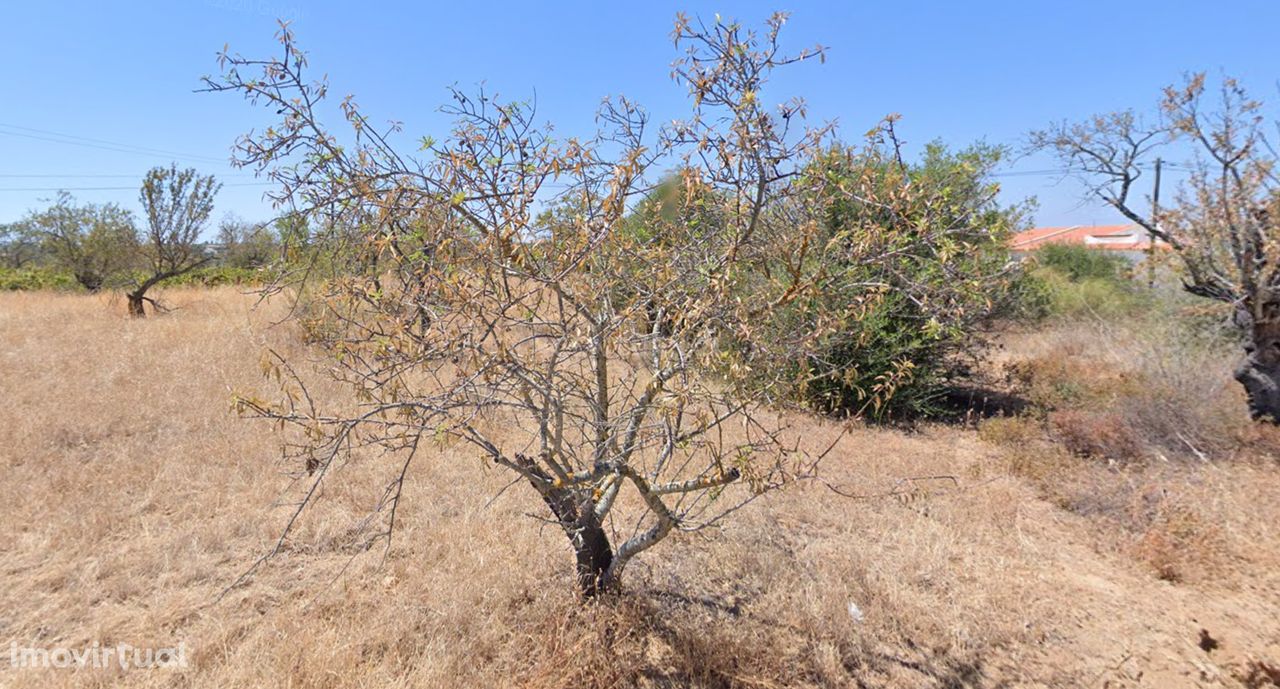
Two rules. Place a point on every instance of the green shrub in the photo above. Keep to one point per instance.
(1078, 263)
(214, 276)
(885, 365)
(927, 265)
(915, 262)
(12, 279)
(1030, 298)
(1072, 282)
(1091, 297)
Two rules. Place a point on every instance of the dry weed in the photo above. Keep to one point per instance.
(133, 496)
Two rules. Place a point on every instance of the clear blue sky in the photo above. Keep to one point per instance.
(125, 72)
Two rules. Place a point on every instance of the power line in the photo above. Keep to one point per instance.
(50, 175)
(140, 149)
(232, 184)
(1028, 173)
(1067, 171)
(74, 140)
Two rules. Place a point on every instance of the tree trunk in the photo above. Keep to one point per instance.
(138, 297)
(575, 511)
(1259, 371)
(594, 554)
(1261, 383)
(586, 534)
(136, 305)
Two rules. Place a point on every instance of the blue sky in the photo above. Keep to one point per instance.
(124, 73)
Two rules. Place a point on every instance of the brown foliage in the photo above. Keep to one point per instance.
(1095, 434)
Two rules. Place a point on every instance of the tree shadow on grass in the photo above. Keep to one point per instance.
(705, 641)
(969, 403)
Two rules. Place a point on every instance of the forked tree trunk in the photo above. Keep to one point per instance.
(576, 514)
(137, 303)
(591, 547)
(138, 297)
(1259, 373)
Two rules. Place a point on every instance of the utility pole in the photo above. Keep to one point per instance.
(1155, 220)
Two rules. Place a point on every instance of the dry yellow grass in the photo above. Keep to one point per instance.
(132, 495)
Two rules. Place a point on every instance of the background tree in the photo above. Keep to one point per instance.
(177, 204)
(1223, 222)
(19, 244)
(463, 319)
(247, 245)
(95, 243)
(669, 215)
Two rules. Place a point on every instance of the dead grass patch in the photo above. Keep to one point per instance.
(133, 496)
(1133, 427)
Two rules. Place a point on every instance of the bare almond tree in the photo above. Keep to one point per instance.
(623, 367)
(1223, 223)
(177, 204)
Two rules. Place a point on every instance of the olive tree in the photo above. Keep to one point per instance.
(564, 352)
(19, 244)
(96, 243)
(1223, 223)
(177, 204)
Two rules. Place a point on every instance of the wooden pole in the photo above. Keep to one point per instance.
(1155, 220)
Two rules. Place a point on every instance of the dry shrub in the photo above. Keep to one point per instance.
(1030, 455)
(1155, 514)
(1070, 374)
(1259, 674)
(1158, 386)
(1181, 545)
(652, 640)
(1160, 514)
(1009, 430)
(1080, 486)
(1261, 440)
(1189, 405)
(1096, 434)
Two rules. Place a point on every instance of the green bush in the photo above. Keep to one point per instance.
(12, 279)
(915, 263)
(1078, 263)
(1071, 282)
(891, 363)
(214, 276)
(927, 265)
(1030, 298)
(1100, 297)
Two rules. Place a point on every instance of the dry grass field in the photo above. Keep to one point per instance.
(132, 495)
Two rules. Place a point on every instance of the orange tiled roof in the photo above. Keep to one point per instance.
(1110, 237)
